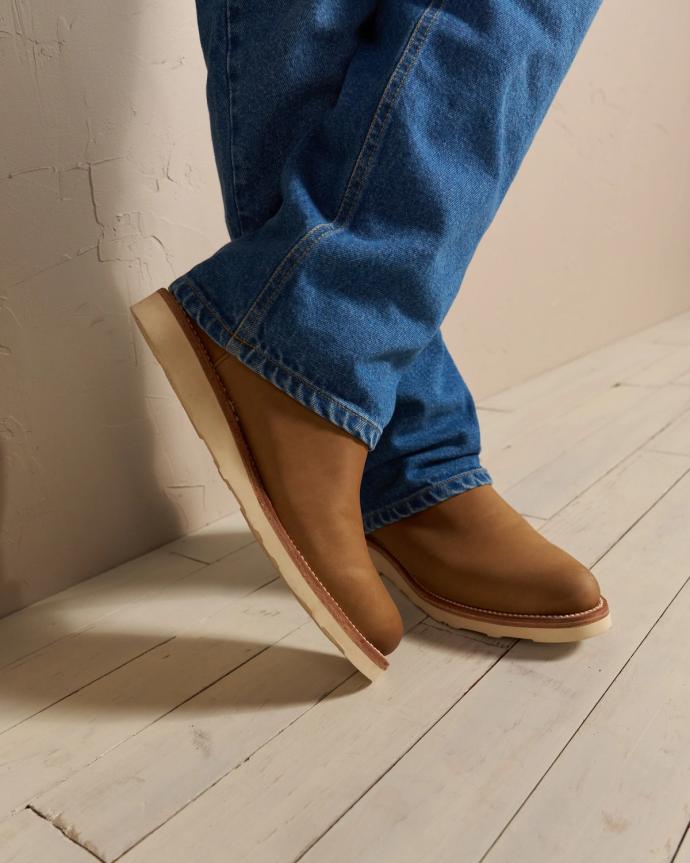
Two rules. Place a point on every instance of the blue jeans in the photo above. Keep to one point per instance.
(363, 147)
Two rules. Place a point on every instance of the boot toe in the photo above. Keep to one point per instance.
(573, 589)
(386, 634)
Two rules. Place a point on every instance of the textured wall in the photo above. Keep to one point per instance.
(108, 190)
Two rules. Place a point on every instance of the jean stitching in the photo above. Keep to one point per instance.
(358, 176)
(282, 273)
(388, 101)
(231, 114)
(316, 389)
(422, 491)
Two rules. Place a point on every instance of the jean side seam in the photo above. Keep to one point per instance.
(428, 489)
(358, 176)
(230, 81)
(387, 102)
(305, 381)
(299, 251)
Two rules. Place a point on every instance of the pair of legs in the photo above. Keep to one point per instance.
(363, 147)
(355, 199)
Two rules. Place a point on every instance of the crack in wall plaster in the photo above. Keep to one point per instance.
(92, 189)
(13, 174)
(64, 260)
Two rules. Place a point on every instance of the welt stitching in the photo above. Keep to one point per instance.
(316, 389)
(444, 600)
(564, 616)
(360, 173)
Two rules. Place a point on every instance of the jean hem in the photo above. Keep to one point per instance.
(197, 305)
(426, 497)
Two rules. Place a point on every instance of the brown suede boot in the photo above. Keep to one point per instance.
(296, 476)
(473, 562)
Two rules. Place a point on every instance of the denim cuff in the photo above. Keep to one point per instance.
(347, 417)
(426, 497)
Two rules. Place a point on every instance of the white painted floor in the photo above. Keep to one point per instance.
(182, 707)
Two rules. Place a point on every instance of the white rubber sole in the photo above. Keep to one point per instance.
(193, 382)
(566, 632)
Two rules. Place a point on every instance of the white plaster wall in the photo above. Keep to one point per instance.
(108, 190)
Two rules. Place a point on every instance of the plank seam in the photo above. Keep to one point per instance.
(243, 761)
(639, 518)
(95, 680)
(686, 584)
(405, 752)
(685, 835)
(66, 834)
(643, 447)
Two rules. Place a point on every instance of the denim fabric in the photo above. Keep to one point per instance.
(363, 147)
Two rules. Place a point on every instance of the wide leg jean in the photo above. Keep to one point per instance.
(363, 147)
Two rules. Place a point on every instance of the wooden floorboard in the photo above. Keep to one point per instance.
(453, 793)
(107, 712)
(682, 853)
(45, 676)
(674, 438)
(309, 775)
(182, 706)
(595, 520)
(173, 761)
(28, 838)
(551, 487)
(621, 789)
(59, 616)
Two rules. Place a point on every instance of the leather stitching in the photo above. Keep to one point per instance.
(425, 592)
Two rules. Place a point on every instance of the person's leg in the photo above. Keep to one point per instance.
(307, 47)
(384, 200)
(427, 502)
(381, 205)
(454, 545)
(273, 71)
(430, 448)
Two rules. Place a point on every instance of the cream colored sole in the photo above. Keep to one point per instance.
(457, 620)
(171, 345)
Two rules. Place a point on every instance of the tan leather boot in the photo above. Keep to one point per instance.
(473, 562)
(296, 476)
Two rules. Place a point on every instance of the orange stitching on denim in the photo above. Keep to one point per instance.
(231, 115)
(358, 176)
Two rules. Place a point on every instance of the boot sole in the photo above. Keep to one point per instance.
(535, 627)
(176, 345)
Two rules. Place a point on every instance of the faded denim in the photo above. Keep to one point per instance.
(363, 148)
